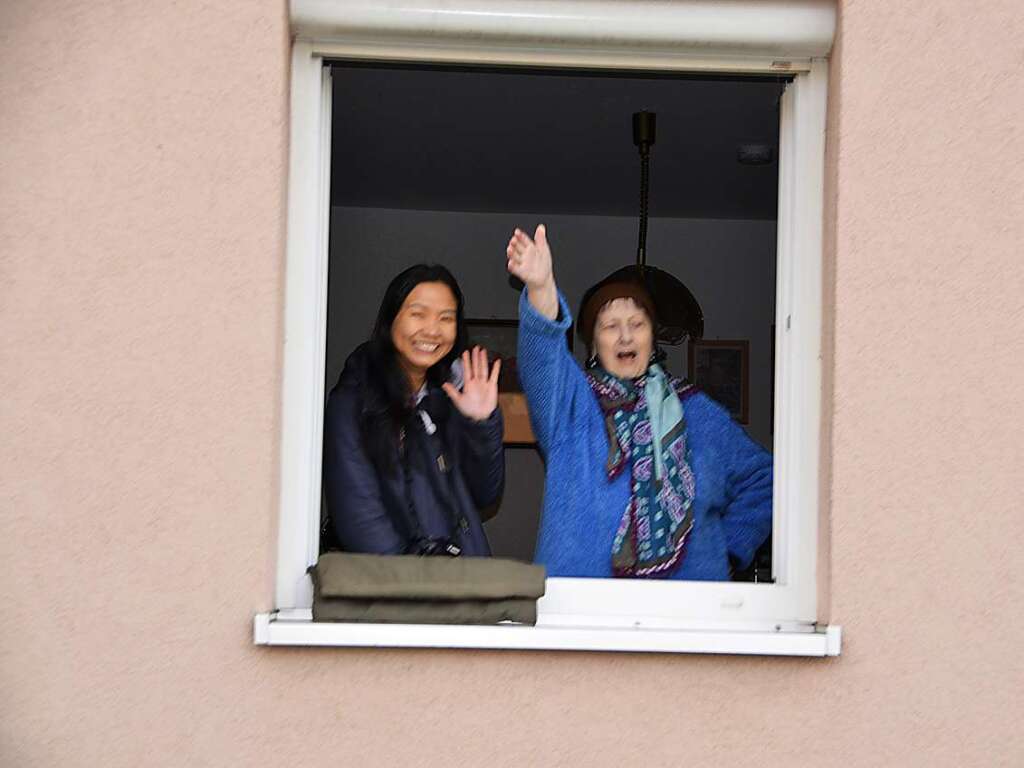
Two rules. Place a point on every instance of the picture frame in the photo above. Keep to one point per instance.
(500, 337)
(721, 369)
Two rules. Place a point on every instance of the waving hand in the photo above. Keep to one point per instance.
(479, 395)
(530, 261)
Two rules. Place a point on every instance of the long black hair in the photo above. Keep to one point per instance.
(381, 427)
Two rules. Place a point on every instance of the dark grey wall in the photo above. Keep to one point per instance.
(729, 265)
(507, 140)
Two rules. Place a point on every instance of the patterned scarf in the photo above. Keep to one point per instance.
(647, 430)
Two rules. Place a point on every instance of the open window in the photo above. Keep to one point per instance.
(743, 226)
(438, 164)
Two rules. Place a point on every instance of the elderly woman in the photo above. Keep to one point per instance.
(646, 477)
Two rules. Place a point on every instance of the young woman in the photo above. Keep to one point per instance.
(646, 477)
(412, 433)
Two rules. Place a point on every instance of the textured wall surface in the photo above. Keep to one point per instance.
(142, 181)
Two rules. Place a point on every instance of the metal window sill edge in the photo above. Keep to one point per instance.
(271, 629)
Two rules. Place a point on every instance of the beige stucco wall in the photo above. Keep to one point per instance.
(142, 180)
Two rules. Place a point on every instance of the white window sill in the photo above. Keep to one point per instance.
(298, 629)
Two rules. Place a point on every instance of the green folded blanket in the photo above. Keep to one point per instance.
(424, 611)
(408, 589)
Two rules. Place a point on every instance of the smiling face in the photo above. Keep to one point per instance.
(424, 329)
(623, 338)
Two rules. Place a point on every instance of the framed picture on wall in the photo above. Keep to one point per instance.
(500, 339)
(721, 368)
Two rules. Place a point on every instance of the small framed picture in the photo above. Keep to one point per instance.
(721, 368)
(501, 338)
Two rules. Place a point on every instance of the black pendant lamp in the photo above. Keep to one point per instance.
(679, 314)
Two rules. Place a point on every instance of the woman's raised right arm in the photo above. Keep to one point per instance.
(550, 376)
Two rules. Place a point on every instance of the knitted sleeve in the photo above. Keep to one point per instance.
(747, 517)
(551, 377)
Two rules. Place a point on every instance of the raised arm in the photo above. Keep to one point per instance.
(551, 378)
(477, 402)
(484, 457)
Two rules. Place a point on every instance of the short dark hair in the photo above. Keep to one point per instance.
(608, 290)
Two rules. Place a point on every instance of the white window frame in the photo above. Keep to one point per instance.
(702, 37)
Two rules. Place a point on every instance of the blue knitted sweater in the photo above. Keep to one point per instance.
(582, 508)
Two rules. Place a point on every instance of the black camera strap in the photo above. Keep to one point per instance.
(430, 450)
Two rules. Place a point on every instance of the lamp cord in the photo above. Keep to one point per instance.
(641, 251)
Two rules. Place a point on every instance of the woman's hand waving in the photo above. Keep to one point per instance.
(479, 395)
(530, 261)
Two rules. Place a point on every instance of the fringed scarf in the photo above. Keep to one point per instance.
(647, 430)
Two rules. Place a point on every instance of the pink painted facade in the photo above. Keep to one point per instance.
(143, 157)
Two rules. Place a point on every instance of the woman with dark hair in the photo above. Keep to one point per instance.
(646, 476)
(412, 431)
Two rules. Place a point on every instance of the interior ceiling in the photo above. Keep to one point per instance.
(505, 140)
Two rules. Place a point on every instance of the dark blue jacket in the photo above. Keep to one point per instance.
(437, 486)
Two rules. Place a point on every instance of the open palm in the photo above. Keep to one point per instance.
(530, 259)
(479, 395)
